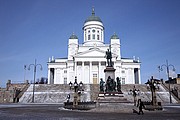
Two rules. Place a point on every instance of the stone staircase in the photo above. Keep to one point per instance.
(24, 89)
(173, 87)
(162, 95)
(48, 93)
(57, 93)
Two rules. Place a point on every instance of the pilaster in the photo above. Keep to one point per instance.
(83, 71)
(90, 72)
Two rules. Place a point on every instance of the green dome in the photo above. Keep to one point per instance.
(73, 36)
(93, 17)
(114, 36)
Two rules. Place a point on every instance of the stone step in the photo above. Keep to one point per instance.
(122, 100)
(57, 93)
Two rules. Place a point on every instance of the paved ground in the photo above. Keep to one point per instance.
(56, 112)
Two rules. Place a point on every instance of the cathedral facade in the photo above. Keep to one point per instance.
(87, 61)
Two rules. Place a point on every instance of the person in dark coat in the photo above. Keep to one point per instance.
(141, 106)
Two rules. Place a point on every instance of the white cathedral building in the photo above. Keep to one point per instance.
(87, 61)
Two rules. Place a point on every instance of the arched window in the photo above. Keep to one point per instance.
(97, 37)
(89, 37)
(93, 36)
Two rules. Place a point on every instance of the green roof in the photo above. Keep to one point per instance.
(114, 36)
(73, 36)
(93, 17)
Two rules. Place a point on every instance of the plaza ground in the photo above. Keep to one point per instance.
(57, 112)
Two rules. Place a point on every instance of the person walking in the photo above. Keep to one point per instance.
(141, 106)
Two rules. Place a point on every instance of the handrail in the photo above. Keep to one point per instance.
(174, 96)
(22, 92)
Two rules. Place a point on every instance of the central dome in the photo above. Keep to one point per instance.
(93, 17)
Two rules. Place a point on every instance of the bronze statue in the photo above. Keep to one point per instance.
(109, 58)
(118, 84)
(102, 85)
(110, 85)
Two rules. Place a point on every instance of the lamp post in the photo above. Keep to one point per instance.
(167, 70)
(25, 66)
(77, 91)
(134, 92)
(34, 65)
(153, 85)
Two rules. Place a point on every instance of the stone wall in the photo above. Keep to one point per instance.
(11, 92)
(6, 96)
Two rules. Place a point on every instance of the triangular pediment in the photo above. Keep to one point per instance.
(94, 52)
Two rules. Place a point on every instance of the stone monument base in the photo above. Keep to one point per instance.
(109, 71)
(80, 106)
(112, 97)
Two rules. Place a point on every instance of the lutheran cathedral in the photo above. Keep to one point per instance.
(87, 61)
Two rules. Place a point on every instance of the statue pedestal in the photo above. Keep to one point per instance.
(112, 97)
(109, 71)
(112, 92)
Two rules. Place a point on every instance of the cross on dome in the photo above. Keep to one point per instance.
(93, 12)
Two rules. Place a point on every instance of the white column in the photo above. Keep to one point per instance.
(55, 76)
(99, 71)
(90, 72)
(83, 72)
(61, 71)
(115, 66)
(58, 74)
(68, 69)
(139, 75)
(133, 76)
(102, 35)
(75, 69)
(49, 76)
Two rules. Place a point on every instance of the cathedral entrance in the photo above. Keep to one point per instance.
(136, 75)
(95, 78)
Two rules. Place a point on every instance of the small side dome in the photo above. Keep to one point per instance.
(114, 36)
(73, 36)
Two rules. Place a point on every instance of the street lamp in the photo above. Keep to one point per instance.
(153, 85)
(134, 92)
(35, 65)
(77, 91)
(167, 68)
(25, 66)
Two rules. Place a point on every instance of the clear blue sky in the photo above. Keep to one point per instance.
(29, 29)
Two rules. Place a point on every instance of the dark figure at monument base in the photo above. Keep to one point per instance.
(141, 106)
(102, 85)
(118, 84)
(110, 85)
(68, 98)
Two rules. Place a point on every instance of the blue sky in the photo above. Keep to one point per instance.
(39, 29)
